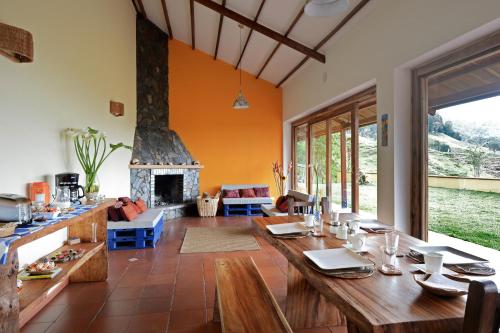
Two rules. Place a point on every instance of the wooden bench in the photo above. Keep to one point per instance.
(243, 302)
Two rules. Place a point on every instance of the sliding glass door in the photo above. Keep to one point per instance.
(300, 155)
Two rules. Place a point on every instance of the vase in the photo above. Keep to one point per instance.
(92, 186)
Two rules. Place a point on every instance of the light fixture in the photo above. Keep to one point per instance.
(15, 43)
(240, 102)
(326, 7)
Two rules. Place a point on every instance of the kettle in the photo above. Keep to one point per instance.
(15, 208)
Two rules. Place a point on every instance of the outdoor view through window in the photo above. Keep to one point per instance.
(464, 171)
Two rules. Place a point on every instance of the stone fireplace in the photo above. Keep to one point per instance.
(162, 172)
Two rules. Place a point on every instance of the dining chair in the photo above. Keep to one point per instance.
(325, 205)
(299, 207)
(482, 310)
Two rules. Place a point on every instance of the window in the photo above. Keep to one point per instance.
(346, 176)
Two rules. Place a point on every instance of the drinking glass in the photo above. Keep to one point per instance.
(309, 221)
(392, 240)
(388, 258)
(318, 224)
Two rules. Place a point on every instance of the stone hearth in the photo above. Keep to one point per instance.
(158, 150)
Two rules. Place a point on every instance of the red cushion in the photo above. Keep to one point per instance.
(261, 192)
(125, 200)
(128, 212)
(114, 214)
(282, 204)
(133, 205)
(231, 194)
(247, 193)
(141, 205)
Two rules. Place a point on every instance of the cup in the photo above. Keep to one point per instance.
(433, 262)
(309, 220)
(358, 241)
(93, 239)
(318, 224)
(334, 217)
(388, 258)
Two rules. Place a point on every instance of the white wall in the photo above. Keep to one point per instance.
(84, 56)
(380, 45)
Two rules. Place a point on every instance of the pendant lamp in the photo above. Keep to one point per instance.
(326, 7)
(240, 102)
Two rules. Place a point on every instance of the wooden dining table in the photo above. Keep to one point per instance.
(379, 303)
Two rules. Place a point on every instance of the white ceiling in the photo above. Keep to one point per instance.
(276, 15)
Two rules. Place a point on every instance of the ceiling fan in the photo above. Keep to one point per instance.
(326, 7)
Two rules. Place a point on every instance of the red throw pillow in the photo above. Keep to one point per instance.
(125, 200)
(141, 205)
(247, 193)
(231, 194)
(133, 205)
(128, 212)
(283, 206)
(261, 192)
(113, 214)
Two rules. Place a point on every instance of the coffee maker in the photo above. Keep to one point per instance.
(70, 180)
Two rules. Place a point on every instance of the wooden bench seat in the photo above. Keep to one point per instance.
(244, 303)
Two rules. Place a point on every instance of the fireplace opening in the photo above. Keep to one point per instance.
(168, 189)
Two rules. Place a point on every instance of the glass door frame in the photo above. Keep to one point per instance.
(420, 110)
(351, 104)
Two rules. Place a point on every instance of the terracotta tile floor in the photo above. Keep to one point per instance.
(162, 291)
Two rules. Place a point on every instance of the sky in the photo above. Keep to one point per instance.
(484, 114)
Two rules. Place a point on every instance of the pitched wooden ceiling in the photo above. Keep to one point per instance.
(277, 40)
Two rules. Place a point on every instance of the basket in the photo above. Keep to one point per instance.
(207, 207)
(7, 229)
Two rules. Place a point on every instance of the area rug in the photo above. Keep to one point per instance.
(219, 239)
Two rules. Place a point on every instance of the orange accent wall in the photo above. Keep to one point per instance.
(235, 146)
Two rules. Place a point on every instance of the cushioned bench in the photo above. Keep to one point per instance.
(142, 232)
(243, 302)
(271, 210)
(244, 206)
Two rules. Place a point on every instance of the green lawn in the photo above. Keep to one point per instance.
(469, 215)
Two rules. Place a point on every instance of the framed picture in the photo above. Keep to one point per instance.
(385, 130)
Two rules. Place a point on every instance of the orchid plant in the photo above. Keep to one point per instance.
(92, 150)
(280, 176)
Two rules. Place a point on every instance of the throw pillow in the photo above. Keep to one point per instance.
(113, 214)
(128, 212)
(231, 194)
(141, 205)
(133, 205)
(247, 193)
(125, 200)
(284, 206)
(261, 192)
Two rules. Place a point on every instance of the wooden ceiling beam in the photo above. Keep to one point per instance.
(135, 7)
(263, 30)
(141, 7)
(191, 10)
(294, 22)
(249, 34)
(221, 18)
(167, 20)
(339, 26)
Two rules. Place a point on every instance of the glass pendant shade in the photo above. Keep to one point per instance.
(240, 102)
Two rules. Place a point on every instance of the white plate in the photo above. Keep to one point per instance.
(337, 259)
(286, 228)
(349, 247)
(451, 256)
(444, 270)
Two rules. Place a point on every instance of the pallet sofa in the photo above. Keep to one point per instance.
(142, 232)
(271, 210)
(244, 206)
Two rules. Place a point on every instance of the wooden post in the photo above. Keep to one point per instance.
(355, 158)
(328, 158)
(343, 168)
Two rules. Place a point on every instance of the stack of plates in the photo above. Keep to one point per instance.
(340, 263)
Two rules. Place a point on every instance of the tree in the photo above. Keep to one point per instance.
(476, 156)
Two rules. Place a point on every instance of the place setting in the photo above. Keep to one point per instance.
(289, 230)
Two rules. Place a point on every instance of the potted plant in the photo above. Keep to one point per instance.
(92, 150)
(280, 177)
